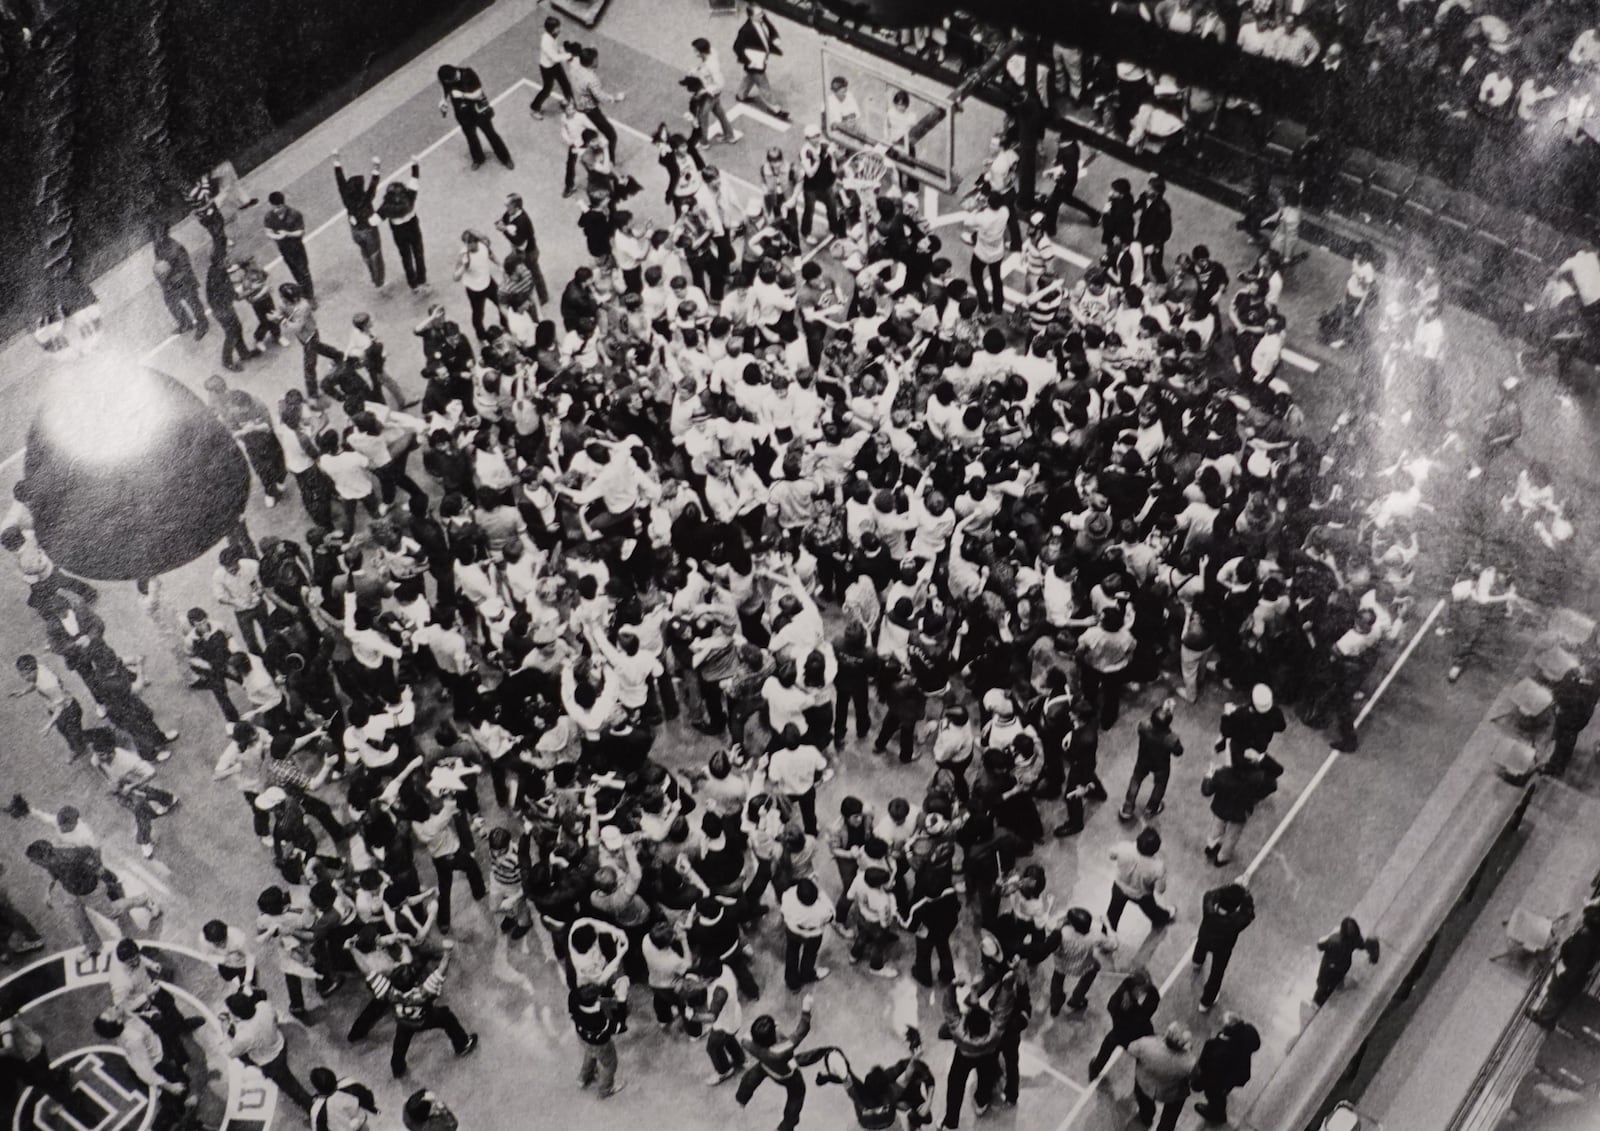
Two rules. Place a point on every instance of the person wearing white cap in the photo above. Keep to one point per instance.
(1251, 728)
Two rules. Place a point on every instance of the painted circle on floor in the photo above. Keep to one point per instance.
(59, 997)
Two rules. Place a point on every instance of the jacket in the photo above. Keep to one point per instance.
(969, 1044)
(1224, 914)
(1160, 1071)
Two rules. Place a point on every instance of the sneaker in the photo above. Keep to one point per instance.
(737, 137)
(147, 850)
(1204, 1007)
(267, 840)
(1125, 813)
(1454, 673)
(1155, 810)
(1067, 829)
(883, 972)
(472, 1043)
(538, 115)
(980, 1107)
(251, 203)
(163, 754)
(614, 1089)
(170, 735)
(271, 501)
(821, 973)
(716, 1078)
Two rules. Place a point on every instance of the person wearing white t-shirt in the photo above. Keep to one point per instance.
(793, 770)
(840, 110)
(989, 229)
(475, 271)
(352, 480)
(553, 59)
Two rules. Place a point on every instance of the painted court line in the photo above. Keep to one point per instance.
(1276, 835)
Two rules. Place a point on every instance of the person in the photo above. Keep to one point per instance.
(1132, 1006)
(1338, 949)
(417, 1008)
(1154, 227)
(180, 289)
(1225, 912)
(1141, 877)
(587, 95)
(819, 183)
(286, 227)
(1575, 695)
(989, 227)
(300, 319)
(1223, 1066)
(806, 916)
(359, 195)
(142, 1050)
(1235, 789)
(708, 69)
(754, 46)
(1077, 947)
(722, 1016)
(399, 209)
(1158, 745)
(236, 585)
(220, 295)
(553, 58)
(341, 1103)
(778, 1058)
(1162, 1067)
(593, 1012)
(18, 935)
(43, 577)
(131, 780)
(1062, 178)
(27, 1063)
(475, 272)
(254, 1036)
(879, 1096)
(78, 870)
(1479, 593)
(517, 226)
(977, 1034)
(464, 95)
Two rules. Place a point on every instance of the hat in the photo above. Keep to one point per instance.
(1261, 697)
(270, 798)
(813, 130)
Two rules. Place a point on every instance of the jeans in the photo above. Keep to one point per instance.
(793, 1084)
(922, 966)
(955, 1088)
(348, 508)
(981, 270)
(1224, 838)
(472, 124)
(755, 87)
(599, 1063)
(906, 728)
(1146, 903)
(1136, 780)
(829, 197)
(712, 108)
(186, 308)
(294, 258)
(800, 959)
(445, 867)
(723, 1049)
(1220, 954)
(253, 630)
(436, 1017)
(598, 119)
(310, 350)
(1170, 1111)
(549, 79)
(478, 300)
(14, 923)
(371, 248)
(277, 1070)
(408, 243)
(1079, 997)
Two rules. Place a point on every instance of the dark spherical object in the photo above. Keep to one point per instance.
(128, 474)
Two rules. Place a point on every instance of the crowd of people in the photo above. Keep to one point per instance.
(719, 485)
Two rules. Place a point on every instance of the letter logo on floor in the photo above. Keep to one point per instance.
(60, 996)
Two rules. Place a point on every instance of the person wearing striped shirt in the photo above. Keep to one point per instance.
(417, 1009)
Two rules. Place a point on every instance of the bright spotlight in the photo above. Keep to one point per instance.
(104, 410)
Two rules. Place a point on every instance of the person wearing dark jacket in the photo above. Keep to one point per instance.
(220, 297)
(593, 1012)
(933, 917)
(1575, 698)
(1132, 1007)
(1066, 170)
(1117, 219)
(1080, 753)
(359, 195)
(180, 290)
(1223, 1065)
(1158, 746)
(1338, 951)
(857, 663)
(1235, 789)
(977, 1034)
(1154, 228)
(1225, 912)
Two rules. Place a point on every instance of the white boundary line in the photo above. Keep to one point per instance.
(1272, 840)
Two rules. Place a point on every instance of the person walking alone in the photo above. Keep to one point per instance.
(1224, 1065)
(1141, 876)
(180, 290)
(708, 69)
(286, 227)
(1225, 912)
(464, 95)
(754, 46)
(1158, 746)
(553, 60)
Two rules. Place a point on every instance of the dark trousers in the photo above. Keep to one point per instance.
(253, 630)
(603, 124)
(445, 867)
(848, 867)
(727, 1057)
(309, 352)
(1120, 1037)
(472, 124)
(800, 959)
(928, 946)
(277, 1070)
(1564, 740)
(373, 1012)
(1104, 689)
(570, 177)
(955, 1088)
(1145, 903)
(807, 803)
(348, 506)
(408, 243)
(829, 198)
(370, 244)
(1220, 954)
(549, 79)
(14, 924)
(186, 307)
(1079, 997)
(321, 812)
(146, 803)
(1158, 790)
(218, 686)
(299, 265)
(261, 822)
(435, 1017)
(981, 270)
(1147, 1110)
(793, 1084)
(391, 477)
(1155, 261)
(478, 300)
(235, 348)
(905, 727)
(1066, 192)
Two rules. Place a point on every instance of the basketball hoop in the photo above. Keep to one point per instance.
(865, 169)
